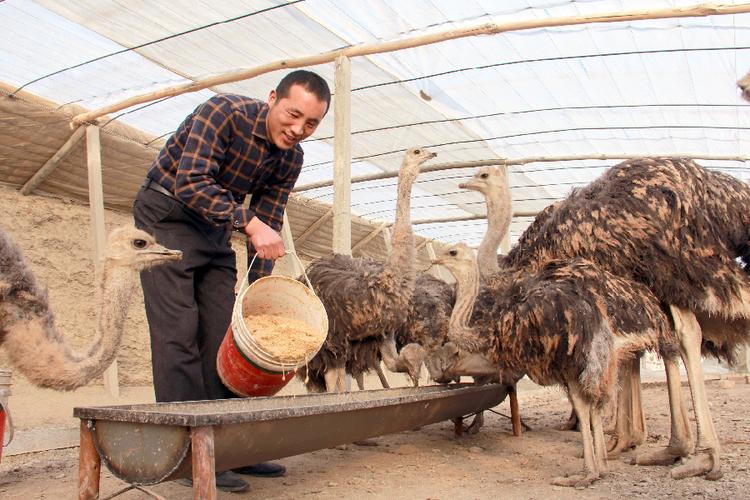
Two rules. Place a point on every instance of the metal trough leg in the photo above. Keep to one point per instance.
(89, 464)
(204, 463)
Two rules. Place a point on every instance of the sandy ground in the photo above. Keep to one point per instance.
(428, 463)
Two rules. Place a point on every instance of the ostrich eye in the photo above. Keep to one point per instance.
(140, 243)
(483, 175)
(453, 253)
(417, 151)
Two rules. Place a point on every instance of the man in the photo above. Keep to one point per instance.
(192, 199)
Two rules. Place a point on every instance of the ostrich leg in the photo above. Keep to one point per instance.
(706, 459)
(630, 423)
(381, 376)
(591, 470)
(681, 439)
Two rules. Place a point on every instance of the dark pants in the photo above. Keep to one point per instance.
(188, 303)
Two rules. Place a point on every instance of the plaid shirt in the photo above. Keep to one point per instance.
(219, 155)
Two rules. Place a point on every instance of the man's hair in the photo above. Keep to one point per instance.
(312, 82)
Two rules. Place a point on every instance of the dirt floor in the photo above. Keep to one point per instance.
(429, 463)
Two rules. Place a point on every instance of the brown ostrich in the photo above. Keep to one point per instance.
(569, 323)
(365, 299)
(27, 328)
(677, 228)
(492, 183)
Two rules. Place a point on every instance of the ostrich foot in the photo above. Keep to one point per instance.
(476, 424)
(619, 444)
(576, 480)
(571, 424)
(664, 456)
(704, 462)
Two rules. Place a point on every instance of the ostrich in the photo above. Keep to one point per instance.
(677, 228)
(365, 299)
(744, 86)
(569, 323)
(492, 183)
(27, 327)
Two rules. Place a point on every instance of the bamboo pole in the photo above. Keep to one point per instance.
(460, 218)
(699, 10)
(364, 241)
(438, 167)
(315, 225)
(51, 164)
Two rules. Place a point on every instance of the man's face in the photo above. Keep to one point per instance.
(295, 117)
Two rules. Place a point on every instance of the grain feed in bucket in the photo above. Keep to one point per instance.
(278, 325)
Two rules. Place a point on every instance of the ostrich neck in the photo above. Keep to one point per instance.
(467, 289)
(403, 254)
(499, 215)
(68, 369)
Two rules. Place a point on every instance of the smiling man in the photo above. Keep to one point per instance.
(231, 146)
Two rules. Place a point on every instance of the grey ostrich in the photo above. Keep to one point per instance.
(27, 327)
(677, 228)
(365, 299)
(569, 323)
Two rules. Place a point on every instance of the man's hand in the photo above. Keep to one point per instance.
(267, 242)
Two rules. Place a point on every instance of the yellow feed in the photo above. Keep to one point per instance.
(286, 339)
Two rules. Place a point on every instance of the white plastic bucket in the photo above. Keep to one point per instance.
(244, 367)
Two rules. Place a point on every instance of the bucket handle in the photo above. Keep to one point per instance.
(245, 283)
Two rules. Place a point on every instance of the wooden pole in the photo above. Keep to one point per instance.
(342, 159)
(459, 218)
(51, 164)
(700, 10)
(438, 167)
(96, 205)
(89, 464)
(204, 462)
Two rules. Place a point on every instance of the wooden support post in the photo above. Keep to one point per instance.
(342, 158)
(387, 239)
(96, 205)
(89, 465)
(51, 164)
(204, 462)
(505, 244)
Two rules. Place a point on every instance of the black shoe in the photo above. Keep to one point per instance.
(225, 481)
(263, 469)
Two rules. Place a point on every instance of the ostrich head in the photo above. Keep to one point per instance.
(439, 363)
(744, 85)
(413, 355)
(413, 158)
(488, 181)
(459, 259)
(136, 249)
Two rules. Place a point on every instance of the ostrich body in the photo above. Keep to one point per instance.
(676, 228)
(365, 299)
(27, 328)
(570, 323)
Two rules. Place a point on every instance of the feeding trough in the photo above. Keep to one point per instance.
(150, 443)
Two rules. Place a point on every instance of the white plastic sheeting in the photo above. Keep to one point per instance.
(656, 87)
